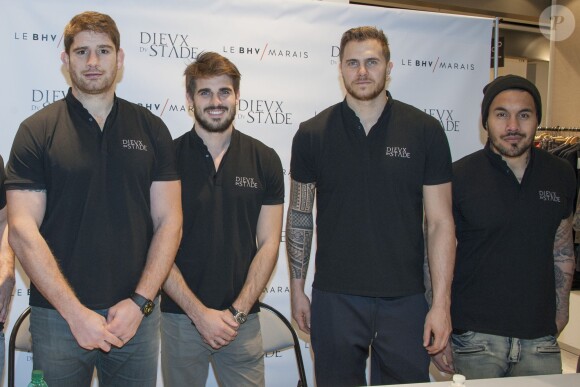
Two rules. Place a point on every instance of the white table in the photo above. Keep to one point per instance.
(565, 380)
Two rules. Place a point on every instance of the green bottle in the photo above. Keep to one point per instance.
(37, 379)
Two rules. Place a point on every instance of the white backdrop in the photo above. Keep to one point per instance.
(287, 53)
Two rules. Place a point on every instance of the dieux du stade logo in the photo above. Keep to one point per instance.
(167, 45)
(263, 111)
(42, 98)
(446, 117)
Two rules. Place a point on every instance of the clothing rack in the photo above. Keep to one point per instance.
(558, 129)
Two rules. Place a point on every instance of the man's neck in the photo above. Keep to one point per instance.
(368, 112)
(518, 164)
(98, 105)
(216, 142)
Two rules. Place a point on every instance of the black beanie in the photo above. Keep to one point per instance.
(507, 82)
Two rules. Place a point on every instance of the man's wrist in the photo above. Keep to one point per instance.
(145, 305)
(239, 315)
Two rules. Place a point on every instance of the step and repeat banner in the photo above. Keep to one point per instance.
(287, 53)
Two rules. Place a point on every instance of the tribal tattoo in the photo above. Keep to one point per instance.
(564, 264)
(300, 228)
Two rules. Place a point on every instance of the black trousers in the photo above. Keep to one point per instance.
(344, 328)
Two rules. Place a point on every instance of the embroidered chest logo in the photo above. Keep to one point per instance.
(246, 182)
(549, 196)
(134, 145)
(398, 152)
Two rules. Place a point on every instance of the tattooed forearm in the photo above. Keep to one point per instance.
(300, 228)
(564, 264)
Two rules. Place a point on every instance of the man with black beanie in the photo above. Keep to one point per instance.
(512, 205)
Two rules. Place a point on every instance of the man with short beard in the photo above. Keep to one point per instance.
(513, 208)
(233, 194)
(374, 163)
(95, 219)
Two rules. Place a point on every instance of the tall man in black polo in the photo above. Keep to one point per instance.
(513, 208)
(233, 194)
(95, 219)
(374, 164)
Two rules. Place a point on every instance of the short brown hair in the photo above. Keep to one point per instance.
(360, 34)
(207, 65)
(91, 21)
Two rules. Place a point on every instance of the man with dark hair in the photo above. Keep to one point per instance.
(95, 219)
(374, 164)
(233, 194)
(6, 265)
(513, 207)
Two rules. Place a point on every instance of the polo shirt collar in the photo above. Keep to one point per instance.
(77, 107)
(194, 138)
(497, 160)
(352, 119)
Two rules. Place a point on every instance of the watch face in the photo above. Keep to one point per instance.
(148, 308)
(241, 317)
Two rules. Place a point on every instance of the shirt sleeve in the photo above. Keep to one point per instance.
(165, 157)
(438, 168)
(274, 193)
(302, 167)
(25, 168)
(2, 190)
(570, 177)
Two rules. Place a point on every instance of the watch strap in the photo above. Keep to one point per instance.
(142, 302)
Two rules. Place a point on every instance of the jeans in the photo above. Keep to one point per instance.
(482, 356)
(344, 327)
(185, 358)
(66, 364)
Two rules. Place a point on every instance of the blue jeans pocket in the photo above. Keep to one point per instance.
(465, 344)
(547, 345)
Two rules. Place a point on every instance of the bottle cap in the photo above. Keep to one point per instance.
(458, 378)
(37, 374)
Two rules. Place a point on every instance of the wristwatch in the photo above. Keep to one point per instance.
(240, 317)
(145, 304)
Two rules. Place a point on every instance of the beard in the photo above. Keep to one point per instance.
(512, 150)
(368, 94)
(215, 125)
(91, 87)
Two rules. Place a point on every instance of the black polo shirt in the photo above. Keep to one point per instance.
(2, 190)
(98, 215)
(369, 192)
(504, 273)
(220, 214)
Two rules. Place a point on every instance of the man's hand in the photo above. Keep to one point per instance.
(301, 310)
(124, 319)
(437, 330)
(217, 328)
(444, 360)
(90, 331)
